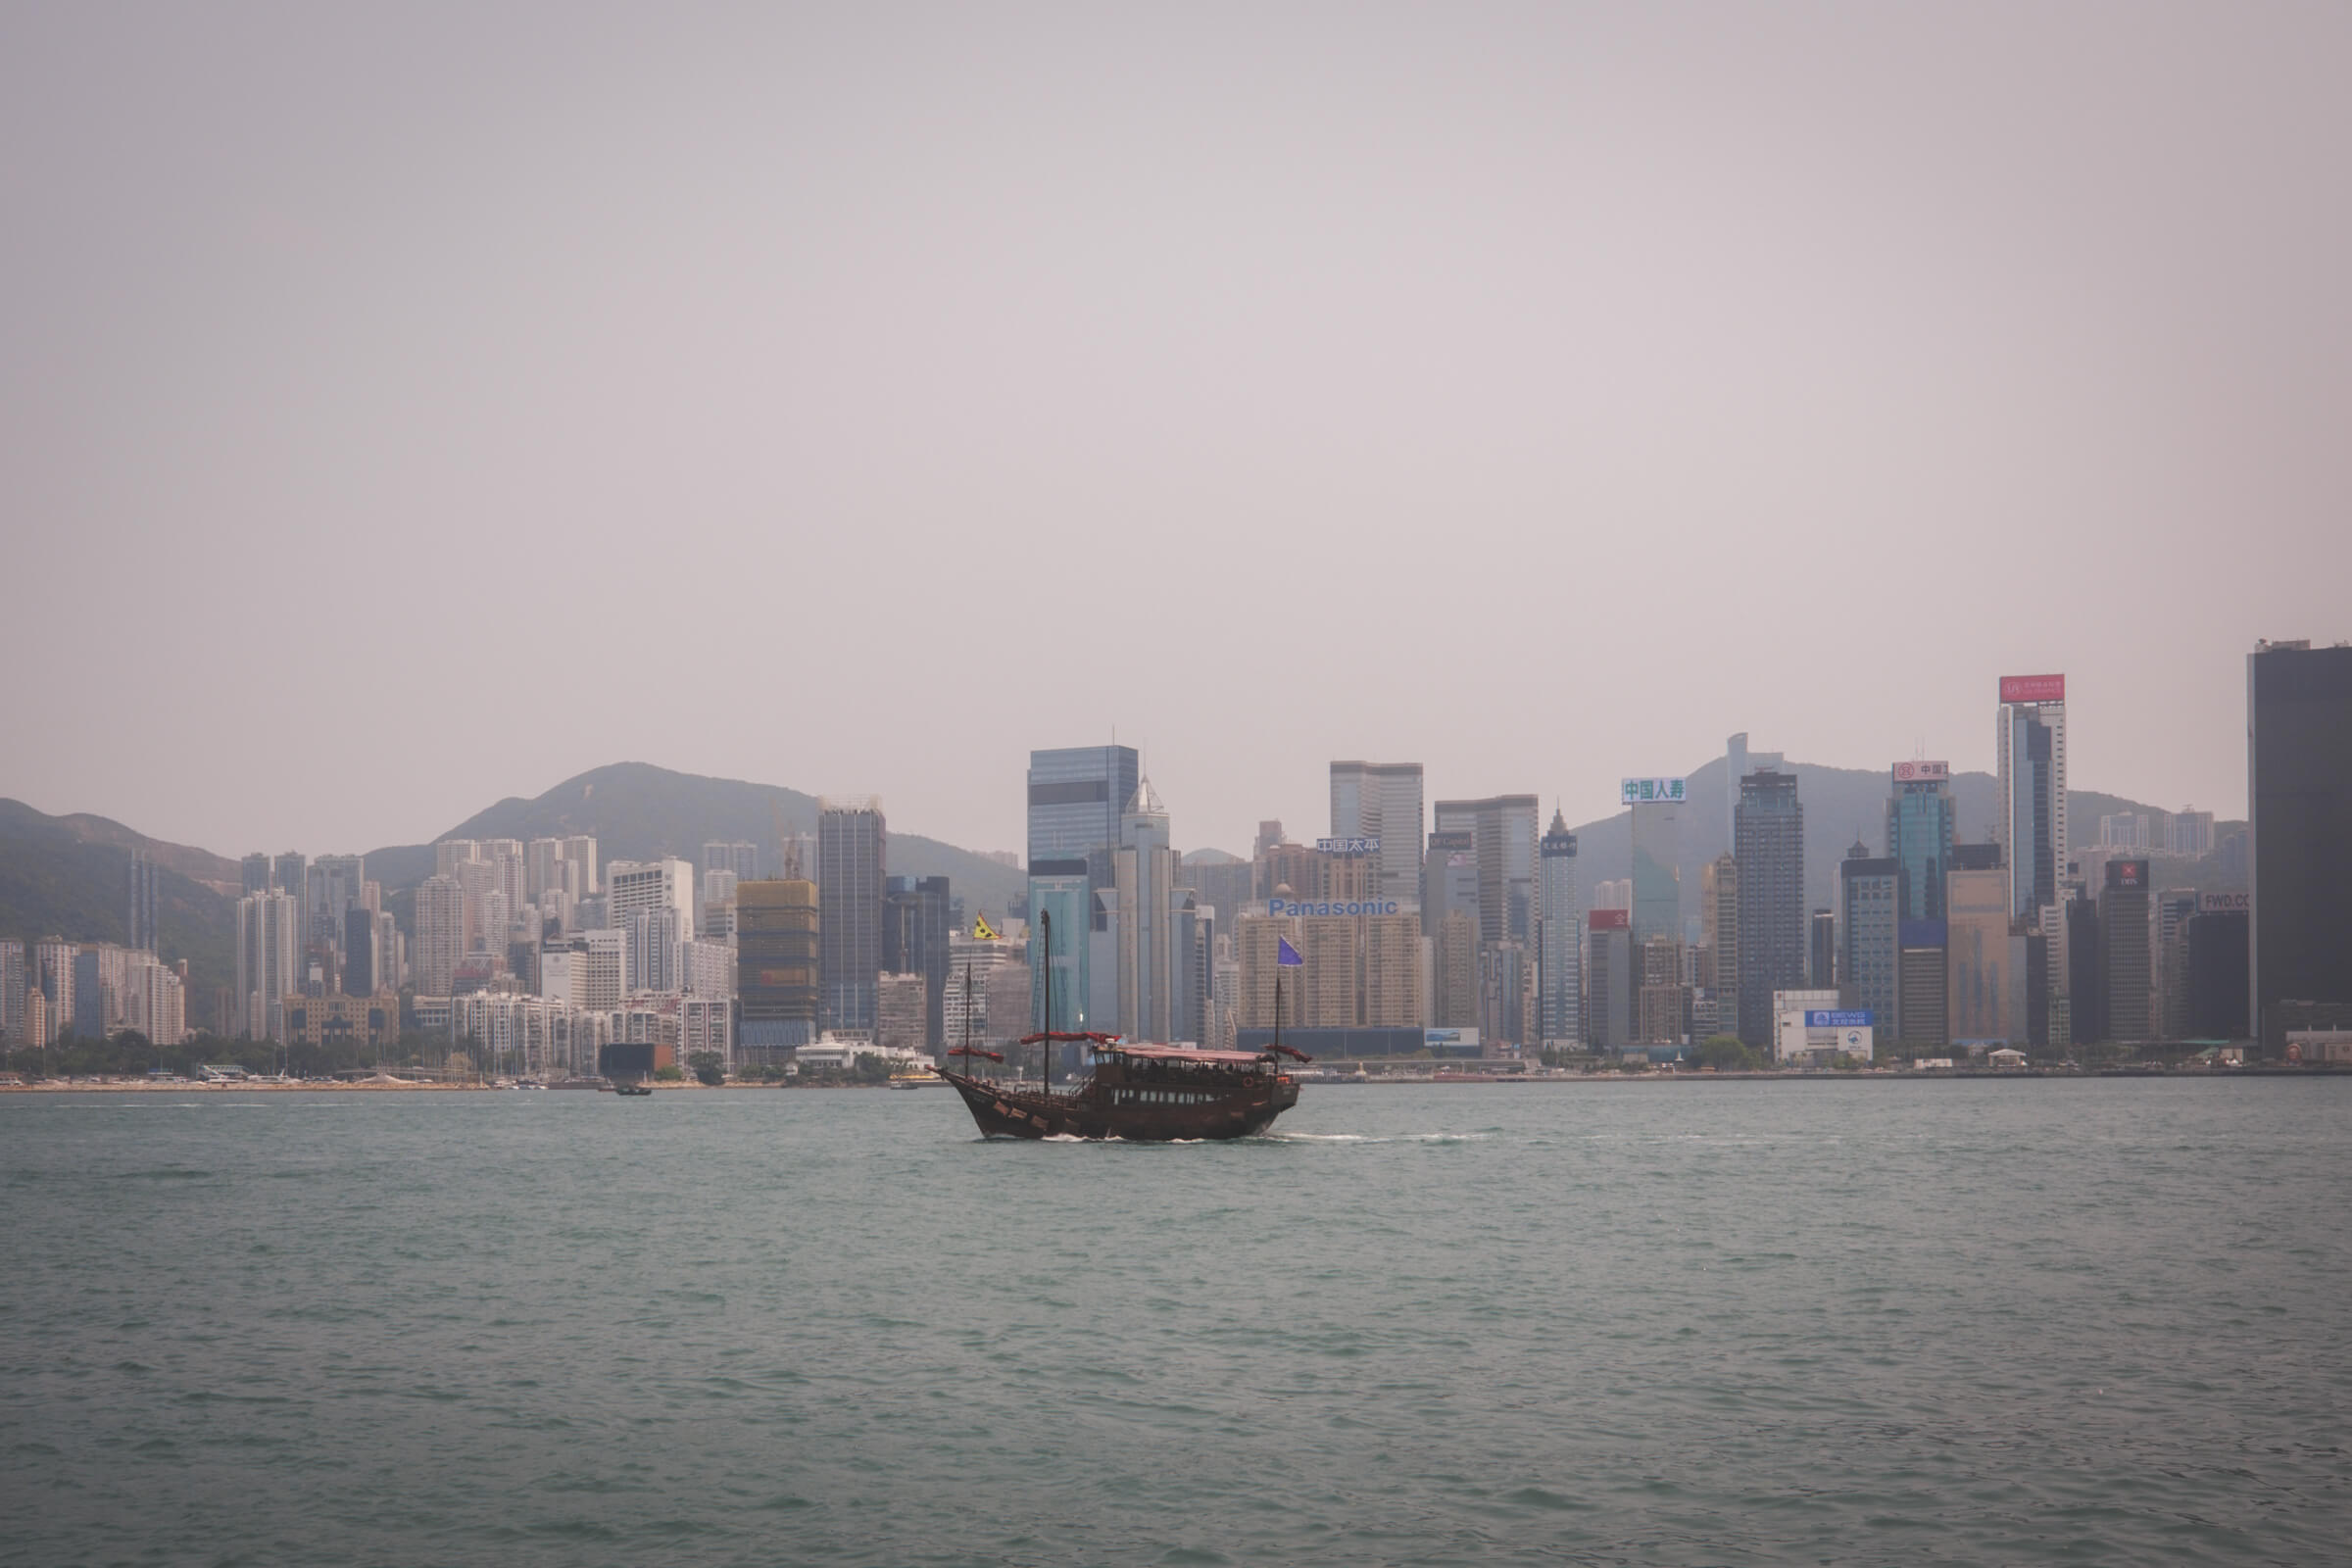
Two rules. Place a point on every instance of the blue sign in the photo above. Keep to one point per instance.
(1649, 791)
(1332, 906)
(1840, 1020)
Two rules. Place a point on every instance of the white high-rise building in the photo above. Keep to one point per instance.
(1153, 966)
(440, 933)
(543, 865)
(603, 977)
(633, 885)
(581, 850)
(1383, 801)
(268, 949)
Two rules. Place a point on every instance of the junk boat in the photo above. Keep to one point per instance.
(1142, 1092)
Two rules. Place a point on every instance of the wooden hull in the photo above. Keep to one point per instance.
(1097, 1110)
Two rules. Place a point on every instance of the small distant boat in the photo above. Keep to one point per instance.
(634, 1089)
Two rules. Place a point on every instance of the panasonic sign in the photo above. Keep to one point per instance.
(1312, 907)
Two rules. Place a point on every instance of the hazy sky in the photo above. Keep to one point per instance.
(404, 409)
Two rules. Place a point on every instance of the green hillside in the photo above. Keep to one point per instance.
(637, 811)
(68, 876)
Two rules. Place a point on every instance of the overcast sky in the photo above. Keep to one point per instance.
(404, 409)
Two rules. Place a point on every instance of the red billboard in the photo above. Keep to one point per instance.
(2033, 688)
(1609, 920)
(1920, 772)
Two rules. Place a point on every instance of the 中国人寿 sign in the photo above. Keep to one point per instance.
(1650, 790)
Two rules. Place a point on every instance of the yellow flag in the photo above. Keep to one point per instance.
(982, 931)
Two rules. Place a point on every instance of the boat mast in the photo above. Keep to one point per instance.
(967, 1016)
(1044, 1046)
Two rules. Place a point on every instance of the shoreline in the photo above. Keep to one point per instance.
(57, 1086)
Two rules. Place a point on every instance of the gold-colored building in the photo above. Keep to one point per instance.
(336, 1019)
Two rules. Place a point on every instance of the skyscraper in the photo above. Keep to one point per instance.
(2299, 821)
(1920, 820)
(2030, 826)
(440, 933)
(738, 856)
(256, 869)
(1502, 830)
(1768, 840)
(269, 948)
(1076, 795)
(1868, 934)
(1559, 952)
(652, 904)
(1610, 983)
(1985, 951)
(915, 941)
(1821, 950)
(1155, 960)
(142, 887)
(2124, 921)
(852, 843)
(1656, 808)
(1382, 800)
(776, 965)
(1719, 922)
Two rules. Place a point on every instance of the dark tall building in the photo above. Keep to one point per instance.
(2299, 824)
(257, 872)
(2086, 973)
(1609, 1016)
(358, 953)
(1770, 826)
(286, 872)
(853, 845)
(915, 941)
(2124, 944)
(142, 903)
(1922, 984)
(776, 966)
(2217, 971)
(1821, 951)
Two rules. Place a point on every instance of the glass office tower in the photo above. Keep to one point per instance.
(1919, 817)
(1076, 795)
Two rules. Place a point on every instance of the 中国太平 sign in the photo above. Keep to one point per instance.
(1348, 846)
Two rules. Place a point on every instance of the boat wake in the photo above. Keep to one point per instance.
(1375, 1137)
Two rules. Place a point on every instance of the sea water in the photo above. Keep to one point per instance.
(1661, 1322)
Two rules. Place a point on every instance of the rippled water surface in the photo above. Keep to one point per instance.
(1670, 1323)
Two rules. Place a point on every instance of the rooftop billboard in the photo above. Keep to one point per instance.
(1649, 791)
(2223, 902)
(1920, 772)
(2033, 688)
(1348, 846)
(1609, 920)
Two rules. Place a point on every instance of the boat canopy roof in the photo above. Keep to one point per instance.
(1207, 1058)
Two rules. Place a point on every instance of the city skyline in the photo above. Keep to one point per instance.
(1774, 314)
